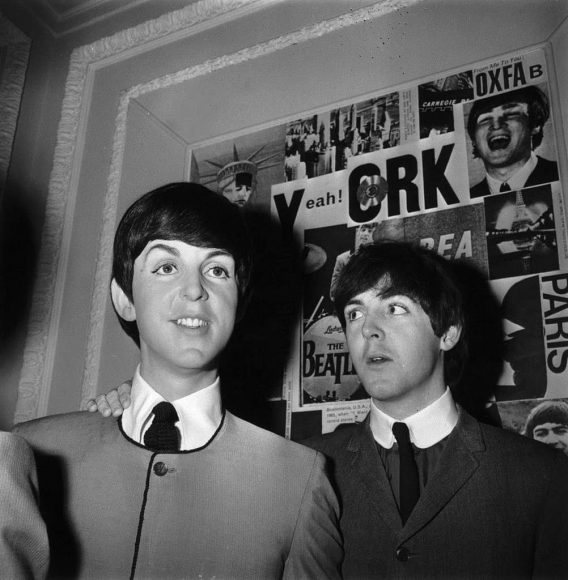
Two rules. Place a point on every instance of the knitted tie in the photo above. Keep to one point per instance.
(163, 434)
(409, 484)
(504, 187)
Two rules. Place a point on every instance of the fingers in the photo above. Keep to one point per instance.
(113, 403)
(99, 404)
(124, 394)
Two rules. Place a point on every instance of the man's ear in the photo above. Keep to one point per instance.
(450, 338)
(122, 304)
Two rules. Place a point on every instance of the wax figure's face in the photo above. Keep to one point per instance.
(184, 303)
(555, 434)
(503, 134)
(397, 356)
(237, 193)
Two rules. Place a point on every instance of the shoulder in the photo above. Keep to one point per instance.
(544, 171)
(335, 443)
(58, 431)
(480, 189)
(13, 446)
(264, 444)
(515, 449)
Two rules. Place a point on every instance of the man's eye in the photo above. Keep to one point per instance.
(483, 121)
(217, 272)
(397, 309)
(165, 269)
(513, 116)
(353, 315)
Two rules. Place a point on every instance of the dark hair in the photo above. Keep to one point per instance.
(546, 412)
(536, 100)
(187, 212)
(412, 271)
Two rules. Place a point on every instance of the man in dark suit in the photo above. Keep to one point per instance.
(492, 504)
(505, 131)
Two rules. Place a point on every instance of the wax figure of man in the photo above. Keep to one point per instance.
(178, 487)
(505, 130)
(24, 551)
(491, 503)
(548, 423)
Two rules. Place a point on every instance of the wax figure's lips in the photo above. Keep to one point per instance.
(189, 322)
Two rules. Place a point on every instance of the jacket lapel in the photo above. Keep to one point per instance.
(456, 466)
(368, 471)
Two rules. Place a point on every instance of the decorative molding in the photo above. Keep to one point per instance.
(42, 334)
(14, 53)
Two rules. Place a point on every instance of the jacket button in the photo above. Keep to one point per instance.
(402, 554)
(160, 468)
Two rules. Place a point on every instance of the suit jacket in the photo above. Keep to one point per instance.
(545, 171)
(496, 506)
(24, 549)
(249, 504)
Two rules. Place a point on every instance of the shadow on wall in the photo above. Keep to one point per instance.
(253, 364)
(484, 336)
(261, 344)
(18, 259)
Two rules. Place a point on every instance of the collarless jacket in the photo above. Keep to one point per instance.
(249, 504)
(496, 506)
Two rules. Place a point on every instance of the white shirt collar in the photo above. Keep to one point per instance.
(427, 427)
(518, 180)
(200, 413)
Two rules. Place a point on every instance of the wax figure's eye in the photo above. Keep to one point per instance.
(165, 269)
(217, 271)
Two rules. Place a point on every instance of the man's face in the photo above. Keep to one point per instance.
(555, 434)
(503, 135)
(395, 352)
(184, 303)
(237, 193)
(364, 234)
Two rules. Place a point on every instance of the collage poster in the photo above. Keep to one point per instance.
(412, 163)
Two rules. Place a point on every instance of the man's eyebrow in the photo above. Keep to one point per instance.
(512, 104)
(354, 302)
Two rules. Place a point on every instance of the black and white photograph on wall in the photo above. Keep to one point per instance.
(308, 148)
(363, 127)
(327, 371)
(242, 169)
(544, 420)
(510, 141)
(437, 99)
(521, 232)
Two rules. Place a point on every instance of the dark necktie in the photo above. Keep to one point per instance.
(162, 434)
(409, 484)
(505, 187)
